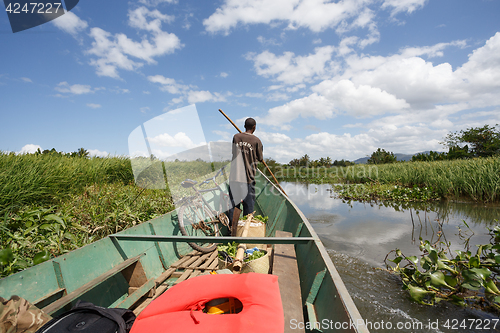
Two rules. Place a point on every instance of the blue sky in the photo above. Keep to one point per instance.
(337, 79)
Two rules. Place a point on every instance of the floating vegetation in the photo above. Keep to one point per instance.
(377, 192)
(467, 279)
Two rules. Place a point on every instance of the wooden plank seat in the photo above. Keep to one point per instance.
(192, 263)
(285, 267)
(127, 267)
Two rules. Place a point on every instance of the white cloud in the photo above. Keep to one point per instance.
(405, 89)
(402, 139)
(204, 96)
(360, 101)
(177, 100)
(70, 23)
(98, 153)
(193, 96)
(29, 149)
(316, 15)
(154, 3)
(77, 89)
(399, 6)
(267, 41)
(93, 106)
(113, 51)
(26, 79)
(313, 105)
(168, 84)
(178, 140)
(482, 71)
(224, 74)
(277, 96)
(409, 77)
(273, 138)
(145, 109)
(291, 69)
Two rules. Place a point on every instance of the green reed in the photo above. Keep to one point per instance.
(45, 179)
(477, 179)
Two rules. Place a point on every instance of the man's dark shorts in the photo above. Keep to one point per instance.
(242, 193)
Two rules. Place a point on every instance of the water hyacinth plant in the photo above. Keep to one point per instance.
(468, 279)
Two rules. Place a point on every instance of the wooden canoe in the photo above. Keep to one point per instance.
(131, 268)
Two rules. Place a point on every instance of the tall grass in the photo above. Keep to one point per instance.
(44, 179)
(477, 179)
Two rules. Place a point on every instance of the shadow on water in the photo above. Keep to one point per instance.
(358, 236)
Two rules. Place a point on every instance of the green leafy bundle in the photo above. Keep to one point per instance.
(261, 218)
(232, 248)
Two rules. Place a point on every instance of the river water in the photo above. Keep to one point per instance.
(358, 237)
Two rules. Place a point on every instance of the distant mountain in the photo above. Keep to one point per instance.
(399, 157)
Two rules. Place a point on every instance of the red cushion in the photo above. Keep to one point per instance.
(176, 310)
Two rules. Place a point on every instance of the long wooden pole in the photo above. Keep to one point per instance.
(265, 164)
(238, 261)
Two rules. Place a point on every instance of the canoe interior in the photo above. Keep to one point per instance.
(320, 282)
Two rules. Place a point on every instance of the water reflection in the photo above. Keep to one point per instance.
(359, 235)
(370, 230)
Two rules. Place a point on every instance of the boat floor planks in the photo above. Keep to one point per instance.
(188, 266)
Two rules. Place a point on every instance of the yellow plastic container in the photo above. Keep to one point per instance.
(224, 305)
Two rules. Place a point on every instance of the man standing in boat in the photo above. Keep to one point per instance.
(247, 153)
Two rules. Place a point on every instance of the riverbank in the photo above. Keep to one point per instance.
(474, 179)
(52, 204)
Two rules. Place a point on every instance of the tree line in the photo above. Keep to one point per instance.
(470, 143)
(82, 152)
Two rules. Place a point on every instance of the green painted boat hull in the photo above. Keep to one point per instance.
(326, 299)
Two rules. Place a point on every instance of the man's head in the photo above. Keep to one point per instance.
(250, 124)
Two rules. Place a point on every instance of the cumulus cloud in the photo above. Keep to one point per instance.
(168, 84)
(154, 3)
(314, 105)
(178, 140)
(360, 101)
(224, 74)
(412, 101)
(314, 15)
(193, 96)
(405, 139)
(291, 69)
(97, 153)
(273, 138)
(398, 6)
(76, 89)
(483, 68)
(204, 96)
(29, 149)
(117, 51)
(70, 23)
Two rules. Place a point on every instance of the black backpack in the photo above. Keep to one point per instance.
(86, 317)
